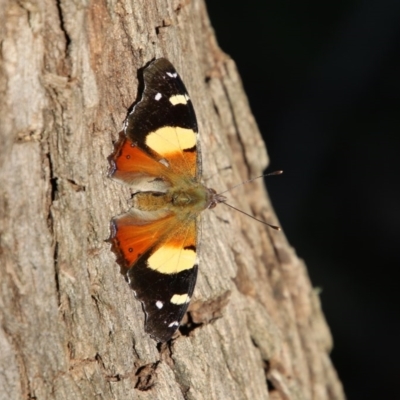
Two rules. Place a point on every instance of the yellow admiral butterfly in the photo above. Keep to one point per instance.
(156, 241)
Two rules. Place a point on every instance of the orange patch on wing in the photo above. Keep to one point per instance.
(184, 236)
(131, 238)
(130, 162)
(183, 163)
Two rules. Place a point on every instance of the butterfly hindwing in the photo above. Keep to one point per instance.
(164, 278)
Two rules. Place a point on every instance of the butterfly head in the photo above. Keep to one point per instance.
(214, 198)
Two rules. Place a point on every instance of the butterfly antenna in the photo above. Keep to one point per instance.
(251, 180)
(222, 199)
(277, 228)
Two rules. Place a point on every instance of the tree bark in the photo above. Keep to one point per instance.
(71, 327)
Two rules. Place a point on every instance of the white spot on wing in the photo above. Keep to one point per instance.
(159, 304)
(178, 99)
(179, 299)
(172, 75)
(175, 323)
(158, 96)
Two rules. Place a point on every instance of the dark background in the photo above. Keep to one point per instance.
(323, 80)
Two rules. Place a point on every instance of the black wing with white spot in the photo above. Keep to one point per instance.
(165, 103)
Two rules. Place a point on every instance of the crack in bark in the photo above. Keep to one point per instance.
(189, 326)
(204, 312)
(62, 26)
(56, 274)
(146, 376)
(53, 182)
(267, 369)
(164, 24)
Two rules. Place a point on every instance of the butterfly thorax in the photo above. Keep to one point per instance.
(193, 199)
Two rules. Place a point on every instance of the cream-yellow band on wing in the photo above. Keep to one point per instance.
(171, 260)
(178, 99)
(170, 139)
(179, 299)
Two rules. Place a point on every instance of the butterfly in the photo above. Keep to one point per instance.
(155, 242)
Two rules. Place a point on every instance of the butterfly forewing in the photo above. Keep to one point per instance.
(163, 123)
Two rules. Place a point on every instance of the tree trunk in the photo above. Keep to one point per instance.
(71, 327)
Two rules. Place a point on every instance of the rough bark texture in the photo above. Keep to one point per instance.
(70, 327)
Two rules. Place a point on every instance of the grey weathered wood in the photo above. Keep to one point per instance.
(70, 327)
